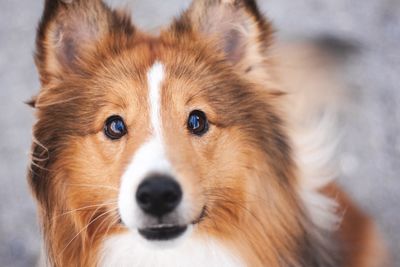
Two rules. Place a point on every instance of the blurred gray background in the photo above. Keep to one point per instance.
(370, 153)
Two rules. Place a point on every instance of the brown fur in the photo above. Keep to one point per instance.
(99, 69)
(361, 244)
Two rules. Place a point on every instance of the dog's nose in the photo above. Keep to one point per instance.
(158, 195)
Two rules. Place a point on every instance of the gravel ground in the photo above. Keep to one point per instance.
(370, 154)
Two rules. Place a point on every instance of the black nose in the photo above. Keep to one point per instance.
(158, 195)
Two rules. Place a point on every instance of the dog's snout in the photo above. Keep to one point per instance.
(158, 195)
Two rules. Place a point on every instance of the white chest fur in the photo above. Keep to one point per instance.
(128, 250)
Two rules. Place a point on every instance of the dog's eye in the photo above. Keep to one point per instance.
(197, 122)
(114, 127)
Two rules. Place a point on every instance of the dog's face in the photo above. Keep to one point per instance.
(163, 142)
(156, 135)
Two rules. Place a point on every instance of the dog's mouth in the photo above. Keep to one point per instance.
(163, 232)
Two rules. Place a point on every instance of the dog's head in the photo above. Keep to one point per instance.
(157, 134)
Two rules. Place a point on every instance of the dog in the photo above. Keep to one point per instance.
(183, 148)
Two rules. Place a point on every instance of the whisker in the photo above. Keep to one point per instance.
(33, 158)
(95, 186)
(83, 229)
(213, 190)
(48, 104)
(38, 166)
(102, 223)
(223, 198)
(34, 140)
(83, 208)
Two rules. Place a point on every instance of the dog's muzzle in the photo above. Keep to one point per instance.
(158, 196)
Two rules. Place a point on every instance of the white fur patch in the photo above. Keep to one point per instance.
(315, 147)
(154, 79)
(127, 250)
(149, 158)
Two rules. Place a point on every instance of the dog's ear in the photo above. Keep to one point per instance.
(69, 30)
(237, 26)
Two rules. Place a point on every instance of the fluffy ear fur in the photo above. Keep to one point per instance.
(72, 29)
(236, 26)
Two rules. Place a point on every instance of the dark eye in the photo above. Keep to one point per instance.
(197, 122)
(114, 127)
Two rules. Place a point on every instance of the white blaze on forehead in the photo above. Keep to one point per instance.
(149, 158)
(155, 77)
